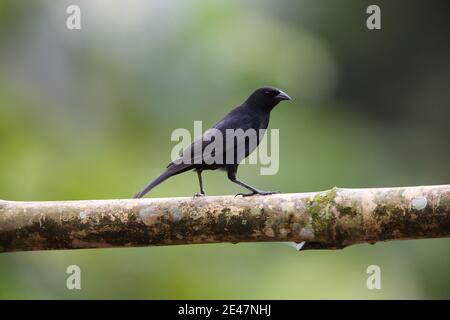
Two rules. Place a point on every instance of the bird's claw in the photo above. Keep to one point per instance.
(261, 193)
(199, 194)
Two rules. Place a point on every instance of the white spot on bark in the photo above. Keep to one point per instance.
(306, 233)
(176, 214)
(368, 204)
(299, 246)
(269, 232)
(295, 245)
(287, 206)
(83, 215)
(284, 232)
(145, 212)
(419, 203)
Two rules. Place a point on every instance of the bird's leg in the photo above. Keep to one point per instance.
(254, 191)
(200, 182)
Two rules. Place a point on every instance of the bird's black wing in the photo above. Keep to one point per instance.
(238, 118)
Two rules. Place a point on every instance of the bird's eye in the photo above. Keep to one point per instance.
(271, 93)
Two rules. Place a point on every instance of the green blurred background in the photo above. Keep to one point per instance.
(82, 113)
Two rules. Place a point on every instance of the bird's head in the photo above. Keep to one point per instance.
(266, 98)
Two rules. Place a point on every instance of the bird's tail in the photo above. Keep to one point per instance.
(170, 171)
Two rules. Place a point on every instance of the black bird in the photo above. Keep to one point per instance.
(254, 114)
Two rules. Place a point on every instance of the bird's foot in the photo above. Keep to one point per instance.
(261, 193)
(199, 194)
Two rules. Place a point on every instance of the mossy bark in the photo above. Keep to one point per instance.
(329, 219)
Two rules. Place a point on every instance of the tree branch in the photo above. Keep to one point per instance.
(330, 219)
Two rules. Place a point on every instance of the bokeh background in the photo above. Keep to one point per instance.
(88, 115)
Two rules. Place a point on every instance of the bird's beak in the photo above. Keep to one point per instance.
(282, 96)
